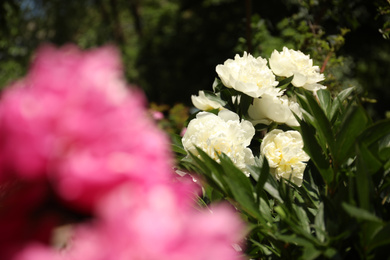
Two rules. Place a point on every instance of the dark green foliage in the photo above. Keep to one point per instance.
(171, 47)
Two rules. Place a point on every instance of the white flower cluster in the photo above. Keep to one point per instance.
(222, 133)
(252, 77)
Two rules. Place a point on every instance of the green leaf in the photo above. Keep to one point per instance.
(314, 150)
(354, 122)
(272, 187)
(261, 197)
(245, 102)
(321, 141)
(211, 170)
(384, 147)
(302, 217)
(360, 213)
(375, 132)
(338, 101)
(178, 149)
(381, 238)
(321, 122)
(217, 85)
(285, 82)
(295, 240)
(240, 186)
(310, 252)
(367, 164)
(213, 97)
(319, 223)
(325, 101)
(264, 175)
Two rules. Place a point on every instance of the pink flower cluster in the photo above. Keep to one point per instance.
(77, 147)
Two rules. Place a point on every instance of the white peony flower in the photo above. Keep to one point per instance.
(285, 155)
(249, 75)
(290, 62)
(222, 133)
(202, 102)
(271, 108)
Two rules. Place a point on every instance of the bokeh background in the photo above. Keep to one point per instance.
(170, 47)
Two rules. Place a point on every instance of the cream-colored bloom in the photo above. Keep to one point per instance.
(222, 133)
(268, 108)
(285, 155)
(202, 102)
(294, 63)
(248, 75)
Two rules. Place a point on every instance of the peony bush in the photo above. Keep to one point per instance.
(317, 186)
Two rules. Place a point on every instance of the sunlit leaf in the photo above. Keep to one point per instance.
(325, 101)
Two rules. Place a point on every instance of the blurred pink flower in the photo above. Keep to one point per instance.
(154, 224)
(76, 141)
(74, 121)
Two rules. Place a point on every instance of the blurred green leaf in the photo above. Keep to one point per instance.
(360, 213)
(381, 238)
(310, 252)
(272, 187)
(178, 149)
